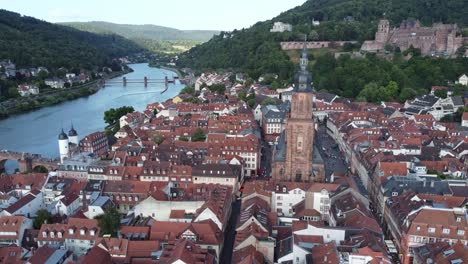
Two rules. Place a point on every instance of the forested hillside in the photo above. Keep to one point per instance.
(340, 20)
(155, 38)
(31, 42)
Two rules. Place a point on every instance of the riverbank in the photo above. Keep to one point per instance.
(36, 131)
(54, 97)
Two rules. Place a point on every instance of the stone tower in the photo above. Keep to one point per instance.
(63, 146)
(300, 126)
(382, 31)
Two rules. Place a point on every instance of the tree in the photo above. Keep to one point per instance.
(13, 92)
(189, 89)
(109, 222)
(183, 138)
(42, 217)
(251, 102)
(199, 135)
(242, 96)
(313, 35)
(157, 138)
(112, 115)
(441, 93)
(391, 90)
(269, 101)
(218, 88)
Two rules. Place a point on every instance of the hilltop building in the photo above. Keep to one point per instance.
(440, 39)
(281, 27)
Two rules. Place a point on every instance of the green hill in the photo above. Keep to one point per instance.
(156, 38)
(256, 50)
(28, 41)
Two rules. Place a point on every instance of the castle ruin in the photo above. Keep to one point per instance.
(438, 40)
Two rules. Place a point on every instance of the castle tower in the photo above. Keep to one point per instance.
(63, 146)
(383, 31)
(300, 126)
(73, 136)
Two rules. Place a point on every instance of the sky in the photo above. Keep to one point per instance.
(224, 15)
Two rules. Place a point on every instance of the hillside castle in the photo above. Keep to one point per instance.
(438, 40)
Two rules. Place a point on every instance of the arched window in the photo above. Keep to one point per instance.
(298, 175)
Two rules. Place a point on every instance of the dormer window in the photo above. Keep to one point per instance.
(446, 231)
(459, 219)
(59, 234)
(71, 231)
(82, 232)
(52, 235)
(92, 232)
(44, 234)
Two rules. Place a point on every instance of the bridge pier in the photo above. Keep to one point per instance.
(2, 166)
(124, 81)
(25, 165)
(146, 81)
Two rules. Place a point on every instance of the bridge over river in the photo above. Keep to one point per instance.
(27, 161)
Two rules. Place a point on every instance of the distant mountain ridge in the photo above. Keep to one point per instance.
(158, 39)
(147, 31)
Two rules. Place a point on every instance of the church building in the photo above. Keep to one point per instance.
(295, 158)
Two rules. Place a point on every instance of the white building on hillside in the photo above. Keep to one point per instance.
(281, 27)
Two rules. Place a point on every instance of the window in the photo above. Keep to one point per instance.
(446, 231)
(461, 232)
(431, 230)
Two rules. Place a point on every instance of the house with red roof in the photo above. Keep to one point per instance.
(77, 235)
(204, 234)
(12, 229)
(11, 254)
(49, 254)
(185, 252)
(27, 205)
(128, 251)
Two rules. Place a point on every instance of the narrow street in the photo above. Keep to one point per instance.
(332, 157)
(230, 234)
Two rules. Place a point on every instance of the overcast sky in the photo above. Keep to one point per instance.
(182, 14)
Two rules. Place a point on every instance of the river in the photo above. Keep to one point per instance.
(36, 132)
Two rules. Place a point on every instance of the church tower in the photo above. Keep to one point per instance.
(300, 127)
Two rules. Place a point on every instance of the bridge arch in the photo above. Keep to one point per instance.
(9, 166)
(41, 168)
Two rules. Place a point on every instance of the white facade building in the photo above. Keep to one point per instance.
(161, 210)
(283, 202)
(281, 27)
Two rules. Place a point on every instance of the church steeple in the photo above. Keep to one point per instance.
(303, 78)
